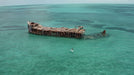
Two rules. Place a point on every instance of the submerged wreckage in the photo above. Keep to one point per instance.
(36, 28)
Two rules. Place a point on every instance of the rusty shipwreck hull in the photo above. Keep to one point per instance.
(38, 29)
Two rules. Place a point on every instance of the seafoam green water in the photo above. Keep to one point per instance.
(22, 53)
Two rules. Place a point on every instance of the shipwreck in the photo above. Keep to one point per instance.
(36, 28)
(78, 32)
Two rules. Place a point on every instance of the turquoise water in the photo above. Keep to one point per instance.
(22, 53)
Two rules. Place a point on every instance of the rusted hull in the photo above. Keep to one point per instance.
(38, 29)
(57, 34)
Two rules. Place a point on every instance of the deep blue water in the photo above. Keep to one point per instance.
(22, 53)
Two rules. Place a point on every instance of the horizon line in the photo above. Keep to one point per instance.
(62, 3)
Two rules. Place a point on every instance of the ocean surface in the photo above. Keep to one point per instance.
(22, 53)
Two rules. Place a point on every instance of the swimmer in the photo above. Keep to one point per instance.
(72, 50)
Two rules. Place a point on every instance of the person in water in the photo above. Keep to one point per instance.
(72, 50)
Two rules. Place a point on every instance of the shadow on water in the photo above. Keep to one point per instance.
(6, 28)
(95, 36)
(1, 30)
(12, 27)
(111, 28)
(87, 21)
(121, 29)
(98, 25)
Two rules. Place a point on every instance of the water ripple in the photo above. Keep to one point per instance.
(5, 28)
(121, 29)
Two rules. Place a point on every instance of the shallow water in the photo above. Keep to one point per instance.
(22, 53)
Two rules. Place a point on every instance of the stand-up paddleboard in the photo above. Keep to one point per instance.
(72, 50)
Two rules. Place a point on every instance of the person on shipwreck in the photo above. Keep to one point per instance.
(104, 33)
